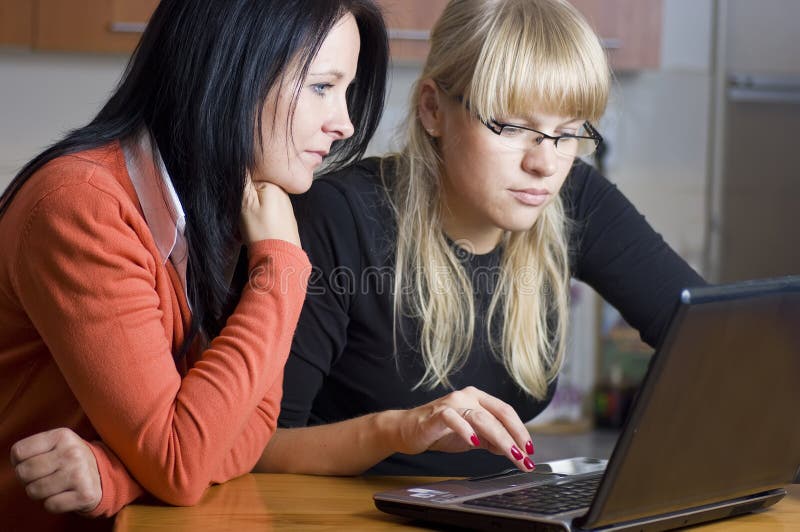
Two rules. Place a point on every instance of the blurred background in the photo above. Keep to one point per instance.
(701, 135)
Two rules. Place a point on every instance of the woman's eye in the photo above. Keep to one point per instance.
(321, 88)
(575, 130)
(511, 131)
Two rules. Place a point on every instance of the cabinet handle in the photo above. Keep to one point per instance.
(128, 27)
(611, 43)
(410, 35)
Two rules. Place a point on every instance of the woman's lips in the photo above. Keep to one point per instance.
(533, 197)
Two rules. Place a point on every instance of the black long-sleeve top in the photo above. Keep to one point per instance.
(343, 362)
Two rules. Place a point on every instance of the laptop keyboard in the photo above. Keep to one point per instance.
(544, 499)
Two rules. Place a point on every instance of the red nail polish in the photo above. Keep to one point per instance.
(516, 453)
(529, 447)
(527, 463)
(475, 441)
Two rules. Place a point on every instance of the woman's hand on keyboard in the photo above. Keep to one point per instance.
(463, 420)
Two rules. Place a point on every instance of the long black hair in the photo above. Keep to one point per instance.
(196, 83)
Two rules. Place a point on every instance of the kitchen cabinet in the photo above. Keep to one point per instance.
(91, 25)
(74, 25)
(409, 23)
(16, 22)
(630, 29)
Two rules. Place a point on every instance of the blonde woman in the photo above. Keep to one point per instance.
(442, 272)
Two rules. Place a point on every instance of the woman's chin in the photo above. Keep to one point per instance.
(518, 224)
(298, 184)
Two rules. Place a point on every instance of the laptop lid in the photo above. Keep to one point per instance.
(722, 405)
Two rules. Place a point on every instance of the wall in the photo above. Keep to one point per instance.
(43, 95)
(658, 131)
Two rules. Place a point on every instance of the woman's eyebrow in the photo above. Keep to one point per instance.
(338, 74)
(536, 122)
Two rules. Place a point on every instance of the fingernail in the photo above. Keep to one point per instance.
(516, 453)
(475, 441)
(529, 447)
(527, 463)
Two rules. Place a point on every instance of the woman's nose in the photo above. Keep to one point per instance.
(541, 159)
(339, 123)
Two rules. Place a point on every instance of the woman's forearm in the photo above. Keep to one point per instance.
(344, 448)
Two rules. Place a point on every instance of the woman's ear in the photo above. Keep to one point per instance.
(430, 111)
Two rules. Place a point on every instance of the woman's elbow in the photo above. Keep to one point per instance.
(183, 494)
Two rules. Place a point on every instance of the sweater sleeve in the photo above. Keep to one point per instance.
(87, 283)
(251, 441)
(617, 252)
(120, 489)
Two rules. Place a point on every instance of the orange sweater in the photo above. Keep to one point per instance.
(89, 320)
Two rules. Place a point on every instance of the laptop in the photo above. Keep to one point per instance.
(713, 432)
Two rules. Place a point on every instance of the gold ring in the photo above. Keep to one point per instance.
(466, 412)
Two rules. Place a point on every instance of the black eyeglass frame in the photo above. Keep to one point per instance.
(497, 128)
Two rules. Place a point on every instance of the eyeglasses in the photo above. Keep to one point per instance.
(580, 144)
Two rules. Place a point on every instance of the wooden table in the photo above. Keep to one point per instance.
(296, 502)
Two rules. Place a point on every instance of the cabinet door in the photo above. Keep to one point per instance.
(16, 22)
(409, 23)
(630, 30)
(91, 25)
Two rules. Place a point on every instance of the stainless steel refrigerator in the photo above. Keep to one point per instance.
(754, 190)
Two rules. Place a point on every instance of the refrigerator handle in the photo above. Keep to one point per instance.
(763, 88)
(738, 95)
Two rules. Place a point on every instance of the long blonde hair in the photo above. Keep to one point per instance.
(506, 57)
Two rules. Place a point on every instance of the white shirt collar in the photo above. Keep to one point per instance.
(160, 204)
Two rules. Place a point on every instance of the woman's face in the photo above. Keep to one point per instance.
(487, 187)
(290, 155)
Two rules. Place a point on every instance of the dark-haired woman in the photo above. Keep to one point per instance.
(117, 316)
